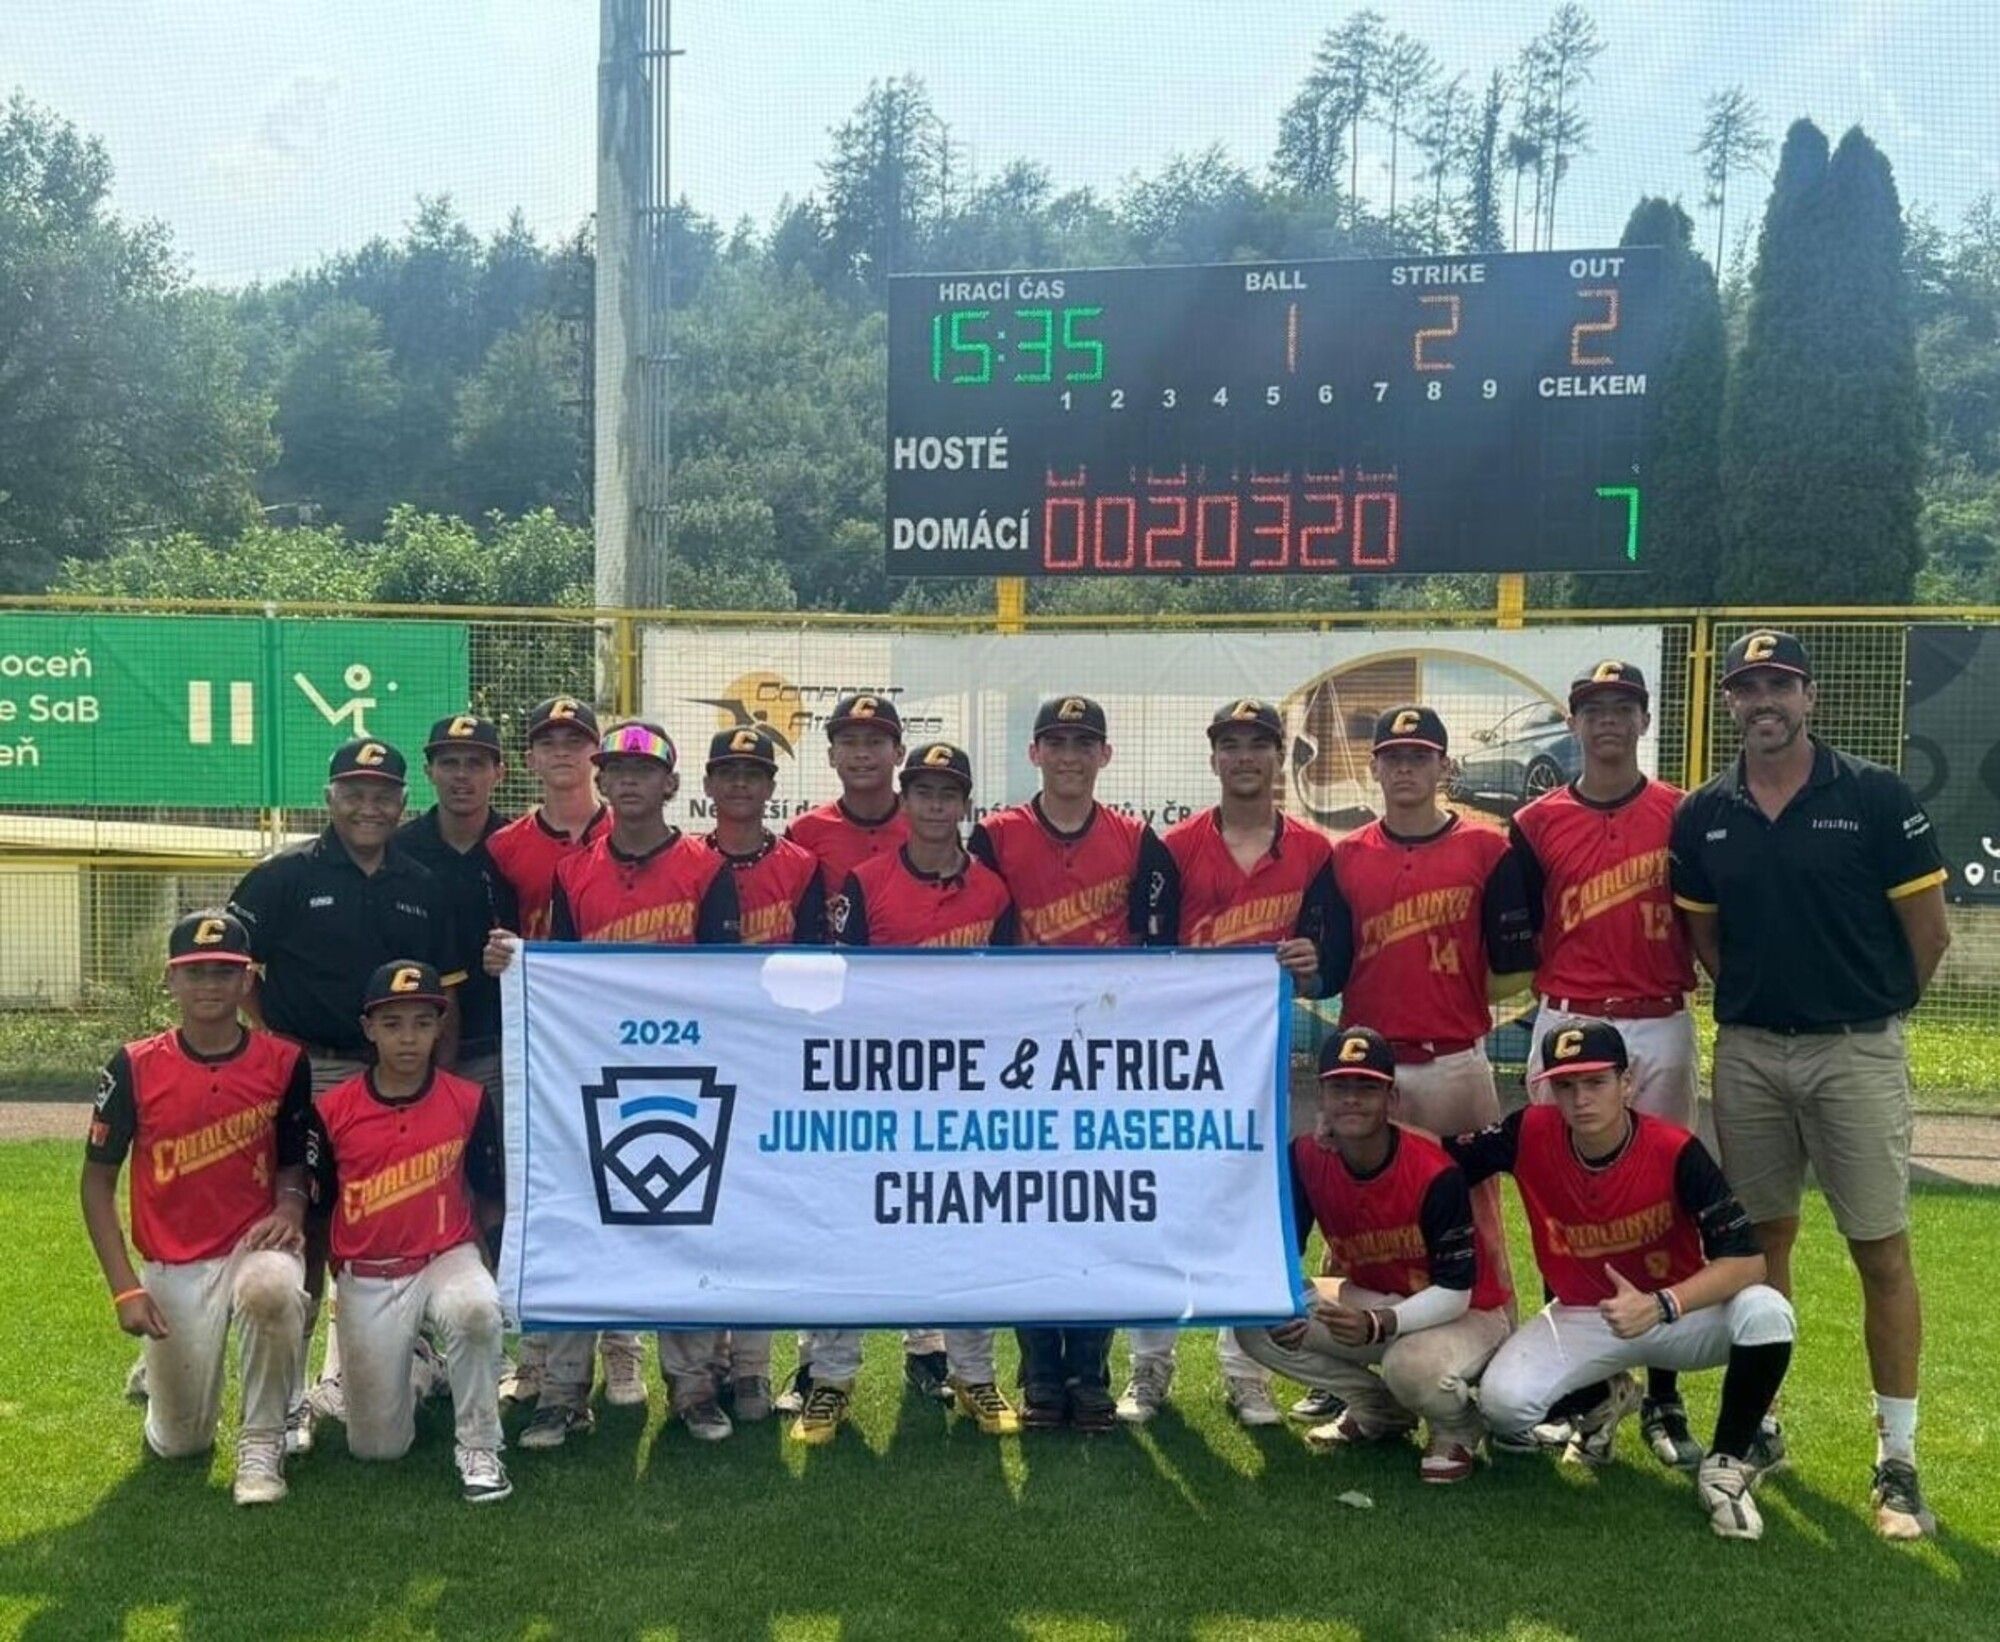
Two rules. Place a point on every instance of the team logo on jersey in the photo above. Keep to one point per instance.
(658, 1138)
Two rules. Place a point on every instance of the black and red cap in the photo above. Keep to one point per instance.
(403, 980)
(937, 758)
(865, 710)
(209, 936)
(745, 744)
(1070, 713)
(562, 713)
(1357, 1052)
(1766, 647)
(635, 738)
(367, 759)
(1572, 1048)
(1248, 713)
(1608, 678)
(463, 730)
(1410, 726)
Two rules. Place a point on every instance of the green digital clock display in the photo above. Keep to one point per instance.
(1026, 347)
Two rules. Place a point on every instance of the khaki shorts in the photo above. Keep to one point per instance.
(1840, 1102)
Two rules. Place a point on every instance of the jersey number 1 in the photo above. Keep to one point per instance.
(1444, 955)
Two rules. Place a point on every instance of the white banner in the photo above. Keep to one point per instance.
(735, 1136)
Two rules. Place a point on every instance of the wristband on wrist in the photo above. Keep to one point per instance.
(1670, 1308)
(299, 1192)
(128, 1294)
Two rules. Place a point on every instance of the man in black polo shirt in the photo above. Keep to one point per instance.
(465, 764)
(1814, 895)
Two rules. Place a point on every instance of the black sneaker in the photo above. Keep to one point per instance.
(1317, 1408)
(1664, 1425)
(1900, 1512)
(792, 1400)
(928, 1373)
(1093, 1409)
(1043, 1408)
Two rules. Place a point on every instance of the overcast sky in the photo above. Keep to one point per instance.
(268, 133)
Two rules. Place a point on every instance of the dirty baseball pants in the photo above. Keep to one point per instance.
(378, 1321)
(261, 1292)
(835, 1354)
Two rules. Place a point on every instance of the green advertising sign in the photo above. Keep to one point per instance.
(210, 711)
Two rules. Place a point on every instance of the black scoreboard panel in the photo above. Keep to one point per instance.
(1475, 413)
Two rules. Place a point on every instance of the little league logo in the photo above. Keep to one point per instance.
(658, 1136)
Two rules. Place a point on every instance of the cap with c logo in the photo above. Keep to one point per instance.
(1572, 1048)
(1248, 713)
(745, 744)
(938, 758)
(1608, 678)
(562, 713)
(1070, 713)
(865, 710)
(1357, 1052)
(365, 758)
(1767, 647)
(210, 936)
(403, 980)
(463, 730)
(1410, 726)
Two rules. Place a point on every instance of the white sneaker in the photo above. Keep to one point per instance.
(260, 1470)
(705, 1420)
(299, 1428)
(1596, 1431)
(482, 1478)
(327, 1400)
(624, 1370)
(1723, 1486)
(1250, 1401)
(1145, 1394)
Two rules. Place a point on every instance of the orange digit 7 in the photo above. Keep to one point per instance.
(1435, 333)
(1594, 327)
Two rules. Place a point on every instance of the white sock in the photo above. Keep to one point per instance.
(1895, 1429)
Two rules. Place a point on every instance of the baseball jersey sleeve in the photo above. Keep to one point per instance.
(322, 1176)
(1006, 929)
(1302, 1209)
(562, 920)
(1534, 879)
(809, 915)
(719, 922)
(295, 1113)
(980, 847)
(1705, 1195)
(1446, 1219)
(1486, 1152)
(1689, 880)
(1335, 935)
(1905, 842)
(850, 928)
(485, 1160)
(1156, 894)
(1506, 921)
(115, 1119)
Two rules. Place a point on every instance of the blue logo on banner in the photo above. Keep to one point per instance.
(658, 1135)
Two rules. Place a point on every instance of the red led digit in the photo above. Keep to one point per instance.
(1279, 532)
(1126, 556)
(1436, 333)
(1389, 505)
(1176, 502)
(1204, 558)
(1076, 511)
(1608, 295)
(1309, 558)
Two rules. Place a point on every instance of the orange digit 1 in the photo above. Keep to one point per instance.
(1435, 333)
(1594, 327)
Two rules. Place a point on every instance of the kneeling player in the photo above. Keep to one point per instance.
(218, 1115)
(1423, 1302)
(398, 1155)
(1652, 1265)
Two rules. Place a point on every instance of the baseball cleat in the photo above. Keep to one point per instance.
(1767, 1448)
(135, 1382)
(1348, 1430)
(1596, 1432)
(482, 1478)
(1446, 1461)
(1723, 1486)
(624, 1370)
(299, 1427)
(1092, 1410)
(1316, 1408)
(327, 1400)
(820, 1420)
(705, 1420)
(1250, 1401)
(1043, 1408)
(750, 1398)
(1900, 1512)
(1145, 1393)
(987, 1404)
(792, 1400)
(928, 1374)
(552, 1425)
(260, 1470)
(1664, 1425)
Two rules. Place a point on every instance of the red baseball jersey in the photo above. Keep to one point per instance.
(1596, 879)
(778, 892)
(1419, 924)
(1285, 892)
(398, 1177)
(210, 1135)
(1111, 883)
(889, 902)
(1403, 1228)
(528, 850)
(676, 894)
(841, 840)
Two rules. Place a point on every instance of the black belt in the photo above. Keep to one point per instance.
(1832, 1029)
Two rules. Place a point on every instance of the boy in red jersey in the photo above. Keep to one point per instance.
(406, 1165)
(1250, 876)
(1652, 1264)
(929, 893)
(1079, 875)
(1611, 945)
(643, 881)
(218, 1117)
(864, 745)
(1420, 1304)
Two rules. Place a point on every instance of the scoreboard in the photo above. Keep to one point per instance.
(1413, 416)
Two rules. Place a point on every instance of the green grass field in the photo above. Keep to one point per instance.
(914, 1526)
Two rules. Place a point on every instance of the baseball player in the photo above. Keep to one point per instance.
(644, 880)
(217, 1115)
(783, 903)
(406, 1166)
(1250, 875)
(1079, 874)
(1651, 1262)
(1419, 1305)
(929, 893)
(864, 747)
(562, 733)
(1610, 944)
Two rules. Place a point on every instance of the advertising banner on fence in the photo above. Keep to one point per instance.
(1951, 751)
(737, 1136)
(1501, 695)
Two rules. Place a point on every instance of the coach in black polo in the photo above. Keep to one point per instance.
(1814, 895)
